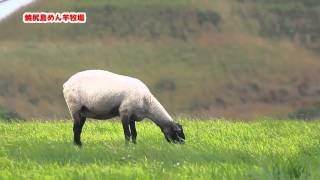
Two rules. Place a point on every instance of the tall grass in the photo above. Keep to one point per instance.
(265, 149)
(200, 57)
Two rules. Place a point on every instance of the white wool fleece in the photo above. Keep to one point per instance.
(101, 91)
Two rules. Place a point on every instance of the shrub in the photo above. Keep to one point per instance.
(166, 85)
(8, 115)
(208, 16)
(307, 113)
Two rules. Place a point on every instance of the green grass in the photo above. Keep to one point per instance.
(197, 57)
(218, 149)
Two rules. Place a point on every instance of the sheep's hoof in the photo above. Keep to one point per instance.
(79, 144)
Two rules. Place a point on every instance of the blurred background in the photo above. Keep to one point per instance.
(241, 59)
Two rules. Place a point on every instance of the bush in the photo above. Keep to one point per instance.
(8, 115)
(166, 85)
(208, 17)
(307, 113)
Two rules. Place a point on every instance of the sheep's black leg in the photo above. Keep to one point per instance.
(125, 125)
(133, 131)
(78, 122)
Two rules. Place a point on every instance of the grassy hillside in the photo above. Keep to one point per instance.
(266, 149)
(206, 58)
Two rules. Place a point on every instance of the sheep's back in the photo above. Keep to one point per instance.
(98, 89)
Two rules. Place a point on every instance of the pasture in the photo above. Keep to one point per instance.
(215, 149)
(212, 58)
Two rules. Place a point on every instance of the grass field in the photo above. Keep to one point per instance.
(218, 149)
(200, 58)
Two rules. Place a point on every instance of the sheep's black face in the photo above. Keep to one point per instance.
(175, 134)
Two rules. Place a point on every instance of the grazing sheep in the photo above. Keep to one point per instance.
(101, 94)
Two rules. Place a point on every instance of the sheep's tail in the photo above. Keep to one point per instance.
(68, 98)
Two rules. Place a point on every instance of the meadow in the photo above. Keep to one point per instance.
(233, 59)
(214, 149)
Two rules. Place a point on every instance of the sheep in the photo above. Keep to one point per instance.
(102, 95)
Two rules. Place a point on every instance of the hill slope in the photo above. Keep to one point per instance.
(208, 58)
